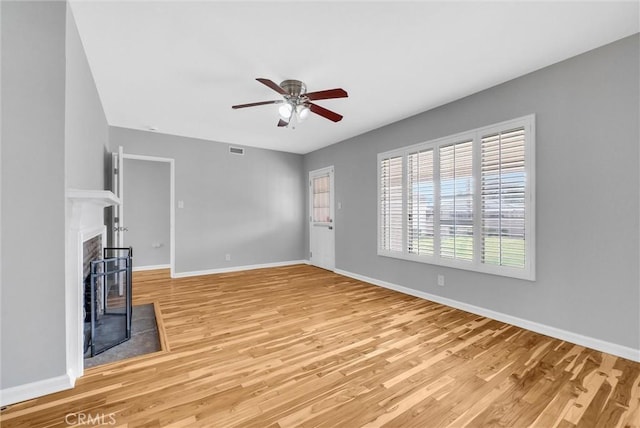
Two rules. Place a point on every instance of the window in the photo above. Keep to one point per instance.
(420, 203)
(502, 191)
(465, 201)
(391, 203)
(456, 201)
(321, 199)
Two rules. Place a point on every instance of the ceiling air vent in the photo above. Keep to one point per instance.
(236, 151)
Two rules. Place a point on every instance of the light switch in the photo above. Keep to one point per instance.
(180, 204)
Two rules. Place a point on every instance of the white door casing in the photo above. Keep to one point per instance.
(118, 227)
(321, 218)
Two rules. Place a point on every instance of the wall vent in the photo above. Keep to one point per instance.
(236, 150)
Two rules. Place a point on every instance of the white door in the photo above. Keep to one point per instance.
(118, 228)
(321, 215)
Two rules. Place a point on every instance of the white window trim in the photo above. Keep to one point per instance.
(528, 272)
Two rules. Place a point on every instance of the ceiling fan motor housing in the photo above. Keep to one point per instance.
(294, 88)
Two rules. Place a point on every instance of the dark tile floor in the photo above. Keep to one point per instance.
(144, 339)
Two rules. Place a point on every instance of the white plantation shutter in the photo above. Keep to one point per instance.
(456, 201)
(503, 185)
(465, 201)
(391, 195)
(420, 203)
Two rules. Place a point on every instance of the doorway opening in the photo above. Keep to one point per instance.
(150, 201)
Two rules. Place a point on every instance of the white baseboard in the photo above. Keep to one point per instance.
(578, 339)
(16, 394)
(149, 267)
(236, 268)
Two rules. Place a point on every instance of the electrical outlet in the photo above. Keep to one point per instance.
(227, 257)
(441, 280)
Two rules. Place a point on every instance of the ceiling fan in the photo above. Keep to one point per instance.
(296, 101)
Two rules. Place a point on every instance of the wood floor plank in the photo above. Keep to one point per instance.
(301, 346)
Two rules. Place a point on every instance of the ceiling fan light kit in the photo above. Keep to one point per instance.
(302, 111)
(285, 111)
(296, 102)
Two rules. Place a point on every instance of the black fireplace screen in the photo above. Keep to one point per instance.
(108, 301)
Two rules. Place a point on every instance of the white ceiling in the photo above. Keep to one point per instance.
(180, 65)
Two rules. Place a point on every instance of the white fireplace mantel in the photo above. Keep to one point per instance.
(85, 217)
(105, 198)
(87, 207)
(97, 198)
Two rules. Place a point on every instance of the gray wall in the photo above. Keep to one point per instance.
(146, 198)
(251, 206)
(33, 192)
(86, 129)
(587, 205)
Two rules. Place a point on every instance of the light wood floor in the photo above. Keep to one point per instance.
(300, 346)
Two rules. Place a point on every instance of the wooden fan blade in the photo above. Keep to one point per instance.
(282, 123)
(260, 103)
(273, 85)
(327, 94)
(328, 114)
